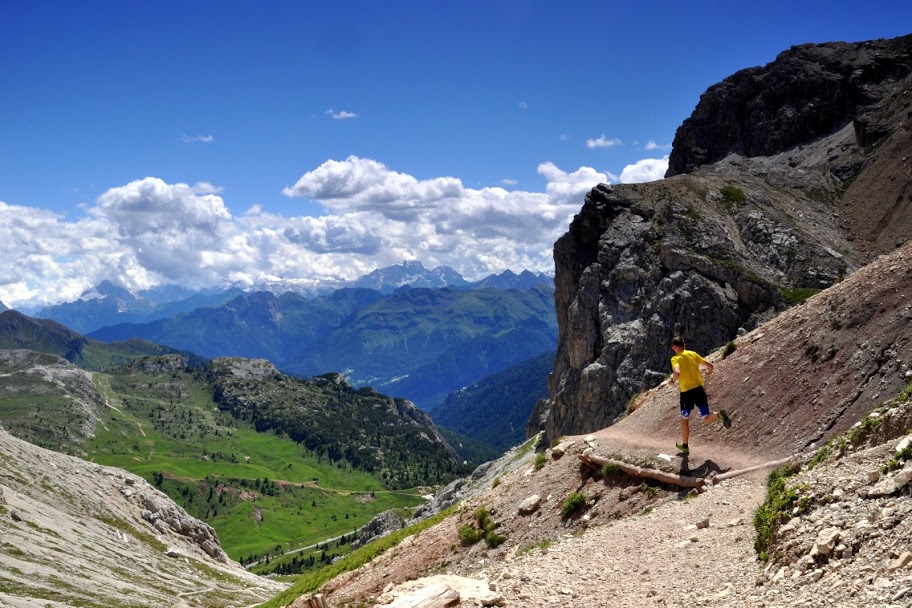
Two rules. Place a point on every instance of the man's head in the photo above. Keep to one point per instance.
(677, 344)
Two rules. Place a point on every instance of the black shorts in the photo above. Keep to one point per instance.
(695, 397)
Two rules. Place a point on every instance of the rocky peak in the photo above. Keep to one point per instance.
(243, 369)
(808, 92)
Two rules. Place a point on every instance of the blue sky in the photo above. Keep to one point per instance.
(207, 142)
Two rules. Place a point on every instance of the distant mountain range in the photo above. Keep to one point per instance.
(420, 344)
(108, 304)
(411, 274)
(404, 329)
(18, 331)
(257, 325)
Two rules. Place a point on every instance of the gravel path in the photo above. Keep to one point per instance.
(663, 558)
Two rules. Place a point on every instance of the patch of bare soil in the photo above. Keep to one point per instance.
(790, 385)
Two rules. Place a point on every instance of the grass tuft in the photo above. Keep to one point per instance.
(574, 503)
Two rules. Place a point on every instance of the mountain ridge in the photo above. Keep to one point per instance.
(108, 304)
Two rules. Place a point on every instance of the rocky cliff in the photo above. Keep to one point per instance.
(809, 178)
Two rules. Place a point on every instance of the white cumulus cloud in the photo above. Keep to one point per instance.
(603, 142)
(646, 170)
(340, 114)
(151, 232)
(652, 146)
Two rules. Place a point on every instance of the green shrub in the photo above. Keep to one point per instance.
(494, 540)
(541, 545)
(779, 502)
(732, 195)
(496, 482)
(540, 460)
(484, 528)
(729, 349)
(898, 459)
(469, 535)
(820, 456)
(869, 424)
(631, 404)
(574, 502)
(797, 295)
(610, 469)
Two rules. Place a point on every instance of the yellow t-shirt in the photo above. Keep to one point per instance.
(688, 362)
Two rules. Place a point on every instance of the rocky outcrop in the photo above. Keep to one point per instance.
(158, 365)
(243, 369)
(643, 263)
(380, 526)
(36, 379)
(715, 252)
(808, 92)
(161, 512)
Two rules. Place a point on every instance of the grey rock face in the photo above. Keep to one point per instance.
(643, 263)
(163, 514)
(38, 374)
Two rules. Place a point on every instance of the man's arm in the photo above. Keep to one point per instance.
(709, 368)
(676, 372)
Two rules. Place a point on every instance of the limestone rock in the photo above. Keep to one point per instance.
(530, 505)
(900, 562)
(826, 541)
(560, 449)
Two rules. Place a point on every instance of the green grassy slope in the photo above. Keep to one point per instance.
(263, 491)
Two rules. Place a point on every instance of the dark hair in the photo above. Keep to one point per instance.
(677, 341)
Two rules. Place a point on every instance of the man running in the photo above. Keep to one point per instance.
(686, 367)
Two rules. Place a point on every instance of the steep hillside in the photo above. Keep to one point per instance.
(495, 410)
(387, 437)
(713, 253)
(73, 533)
